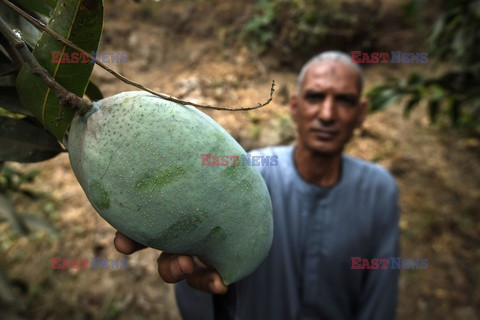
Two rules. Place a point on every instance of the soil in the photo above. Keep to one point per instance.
(178, 47)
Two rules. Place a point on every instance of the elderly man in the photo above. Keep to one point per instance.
(330, 211)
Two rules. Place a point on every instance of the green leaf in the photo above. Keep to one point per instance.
(8, 212)
(93, 92)
(414, 79)
(7, 68)
(29, 33)
(8, 80)
(438, 28)
(22, 140)
(9, 101)
(44, 7)
(28, 176)
(80, 21)
(4, 56)
(382, 99)
(458, 44)
(412, 103)
(438, 93)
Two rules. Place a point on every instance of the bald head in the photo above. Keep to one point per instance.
(336, 56)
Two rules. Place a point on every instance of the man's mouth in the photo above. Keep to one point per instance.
(324, 134)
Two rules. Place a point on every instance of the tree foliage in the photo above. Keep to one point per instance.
(29, 110)
(455, 42)
(32, 120)
(297, 28)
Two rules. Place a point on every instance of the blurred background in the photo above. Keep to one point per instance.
(425, 131)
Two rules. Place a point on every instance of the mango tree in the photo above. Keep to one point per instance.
(137, 155)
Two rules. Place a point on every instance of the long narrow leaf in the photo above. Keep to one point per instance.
(382, 99)
(80, 21)
(9, 101)
(8, 80)
(23, 141)
(44, 7)
(412, 103)
(7, 68)
(28, 32)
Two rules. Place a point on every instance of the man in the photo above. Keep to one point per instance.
(328, 209)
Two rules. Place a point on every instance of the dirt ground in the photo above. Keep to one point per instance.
(176, 50)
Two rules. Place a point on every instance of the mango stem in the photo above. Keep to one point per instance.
(165, 96)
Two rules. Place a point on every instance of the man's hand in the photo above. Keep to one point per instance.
(173, 267)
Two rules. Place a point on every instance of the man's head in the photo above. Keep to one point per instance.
(327, 106)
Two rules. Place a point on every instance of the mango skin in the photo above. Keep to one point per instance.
(138, 159)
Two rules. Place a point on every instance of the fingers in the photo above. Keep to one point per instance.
(173, 268)
(207, 280)
(126, 245)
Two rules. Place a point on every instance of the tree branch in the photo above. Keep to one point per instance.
(66, 98)
(70, 44)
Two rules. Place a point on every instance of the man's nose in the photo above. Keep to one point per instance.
(327, 110)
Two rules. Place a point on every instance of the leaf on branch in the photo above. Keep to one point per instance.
(9, 101)
(29, 33)
(44, 7)
(8, 80)
(412, 103)
(380, 98)
(7, 68)
(80, 21)
(22, 140)
(438, 28)
(414, 79)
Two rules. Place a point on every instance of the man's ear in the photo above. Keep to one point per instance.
(293, 102)
(362, 115)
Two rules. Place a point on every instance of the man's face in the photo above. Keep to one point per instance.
(327, 109)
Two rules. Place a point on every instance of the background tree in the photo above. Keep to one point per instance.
(454, 45)
(33, 118)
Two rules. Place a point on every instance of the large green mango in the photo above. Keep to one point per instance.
(138, 159)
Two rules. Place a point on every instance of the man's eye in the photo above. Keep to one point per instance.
(314, 97)
(347, 100)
